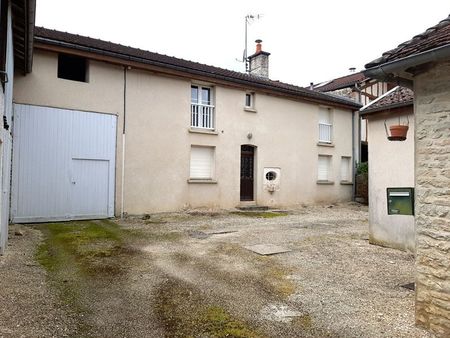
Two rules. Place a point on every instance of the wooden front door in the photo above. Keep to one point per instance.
(247, 167)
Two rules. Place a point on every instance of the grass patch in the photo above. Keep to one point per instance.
(259, 214)
(92, 247)
(83, 257)
(184, 313)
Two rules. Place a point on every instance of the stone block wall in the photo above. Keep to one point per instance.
(432, 163)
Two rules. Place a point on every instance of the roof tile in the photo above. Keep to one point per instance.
(434, 37)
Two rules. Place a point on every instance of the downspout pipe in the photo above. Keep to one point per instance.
(122, 182)
(356, 152)
(386, 71)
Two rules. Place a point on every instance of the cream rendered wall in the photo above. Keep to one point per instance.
(158, 137)
(103, 93)
(391, 164)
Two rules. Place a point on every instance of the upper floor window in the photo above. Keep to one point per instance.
(202, 107)
(249, 100)
(325, 125)
(72, 67)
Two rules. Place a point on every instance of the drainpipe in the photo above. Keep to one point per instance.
(356, 153)
(122, 194)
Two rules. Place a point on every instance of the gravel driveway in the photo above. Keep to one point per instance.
(192, 274)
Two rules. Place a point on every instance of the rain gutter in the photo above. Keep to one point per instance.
(389, 71)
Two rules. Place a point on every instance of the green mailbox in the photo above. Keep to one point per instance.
(400, 201)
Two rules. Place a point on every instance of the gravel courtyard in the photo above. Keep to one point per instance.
(191, 274)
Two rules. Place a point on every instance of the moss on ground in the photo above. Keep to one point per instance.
(82, 257)
(184, 313)
(258, 214)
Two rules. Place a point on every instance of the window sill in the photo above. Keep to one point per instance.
(325, 182)
(250, 110)
(346, 183)
(202, 131)
(325, 144)
(201, 181)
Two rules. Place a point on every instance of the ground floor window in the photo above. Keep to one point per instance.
(324, 168)
(202, 162)
(346, 170)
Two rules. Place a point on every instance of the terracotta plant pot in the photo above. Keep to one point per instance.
(399, 131)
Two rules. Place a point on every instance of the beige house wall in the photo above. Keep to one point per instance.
(158, 138)
(432, 111)
(391, 165)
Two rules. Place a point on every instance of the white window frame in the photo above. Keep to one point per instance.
(203, 112)
(196, 157)
(325, 125)
(346, 169)
(327, 160)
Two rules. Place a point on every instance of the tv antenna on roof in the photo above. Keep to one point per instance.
(249, 18)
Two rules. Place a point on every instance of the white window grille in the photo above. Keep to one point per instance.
(325, 125)
(202, 163)
(202, 108)
(324, 168)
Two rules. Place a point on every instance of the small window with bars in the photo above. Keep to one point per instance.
(325, 125)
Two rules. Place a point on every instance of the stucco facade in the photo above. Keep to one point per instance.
(391, 165)
(158, 137)
(432, 111)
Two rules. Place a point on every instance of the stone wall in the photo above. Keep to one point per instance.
(432, 109)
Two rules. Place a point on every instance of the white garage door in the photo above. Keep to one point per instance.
(63, 164)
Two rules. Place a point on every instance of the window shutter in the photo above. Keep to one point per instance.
(345, 169)
(202, 162)
(323, 168)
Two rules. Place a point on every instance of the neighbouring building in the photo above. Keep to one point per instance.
(359, 88)
(16, 41)
(114, 130)
(423, 63)
(391, 170)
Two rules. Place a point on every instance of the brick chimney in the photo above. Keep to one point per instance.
(259, 62)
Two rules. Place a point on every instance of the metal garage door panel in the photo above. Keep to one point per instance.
(46, 142)
(90, 185)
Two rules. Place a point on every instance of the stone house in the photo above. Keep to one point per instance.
(16, 41)
(118, 130)
(391, 170)
(423, 63)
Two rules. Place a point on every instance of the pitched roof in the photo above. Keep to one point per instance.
(395, 98)
(73, 41)
(341, 82)
(436, 36)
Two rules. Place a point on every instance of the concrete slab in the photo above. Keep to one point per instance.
(219, 232)
(267, 249)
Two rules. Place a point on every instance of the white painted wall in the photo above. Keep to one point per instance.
(391, 164)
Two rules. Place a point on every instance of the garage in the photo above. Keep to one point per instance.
(63, 164)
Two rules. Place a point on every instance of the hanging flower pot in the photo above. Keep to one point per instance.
(397, 132)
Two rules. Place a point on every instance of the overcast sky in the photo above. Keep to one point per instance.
(309, 41)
